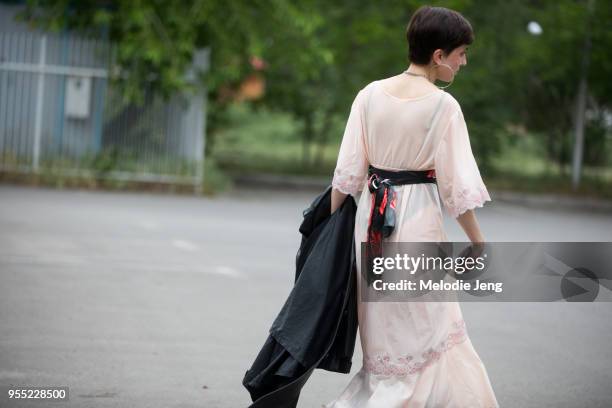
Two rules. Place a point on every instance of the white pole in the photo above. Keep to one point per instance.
(199, 128)
(199, 106)
(579, 133)
(581, 103)
(40, 93)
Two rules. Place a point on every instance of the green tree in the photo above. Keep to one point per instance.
(540, 74)
(319, 54)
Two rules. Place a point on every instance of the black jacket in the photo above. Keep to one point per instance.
(317, 326)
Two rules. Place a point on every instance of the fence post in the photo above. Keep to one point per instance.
(197, 113)
(40, 93)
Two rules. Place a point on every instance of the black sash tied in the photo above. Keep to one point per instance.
(382, 213)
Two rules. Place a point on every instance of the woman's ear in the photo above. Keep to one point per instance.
(436, 57)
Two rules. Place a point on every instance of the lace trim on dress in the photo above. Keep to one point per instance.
(466, 199)
(384, 365)
(347, 183)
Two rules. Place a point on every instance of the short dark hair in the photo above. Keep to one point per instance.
(431, 28)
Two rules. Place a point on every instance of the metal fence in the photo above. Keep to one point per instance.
(60, 113)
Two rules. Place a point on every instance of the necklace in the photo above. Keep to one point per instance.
(413, 74)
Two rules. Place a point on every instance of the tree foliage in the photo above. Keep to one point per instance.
(318, 54)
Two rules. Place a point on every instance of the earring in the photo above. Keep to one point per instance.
(452, 75)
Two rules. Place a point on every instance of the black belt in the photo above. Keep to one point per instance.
(382, 213)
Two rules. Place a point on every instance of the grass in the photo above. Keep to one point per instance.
(266, 143)
(523, 166)
(112, 171)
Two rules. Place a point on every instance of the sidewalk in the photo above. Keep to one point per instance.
(545, 201)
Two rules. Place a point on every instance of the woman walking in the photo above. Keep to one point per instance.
(407, 130)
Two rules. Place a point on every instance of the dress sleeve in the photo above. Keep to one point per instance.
(459, 183)
(352, 165)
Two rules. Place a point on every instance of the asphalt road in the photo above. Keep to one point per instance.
(145, 300)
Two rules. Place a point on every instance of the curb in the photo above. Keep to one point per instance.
(553, 201)
(546, 201)
(280, 182)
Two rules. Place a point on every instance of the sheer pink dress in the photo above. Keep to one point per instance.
(415, 354)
